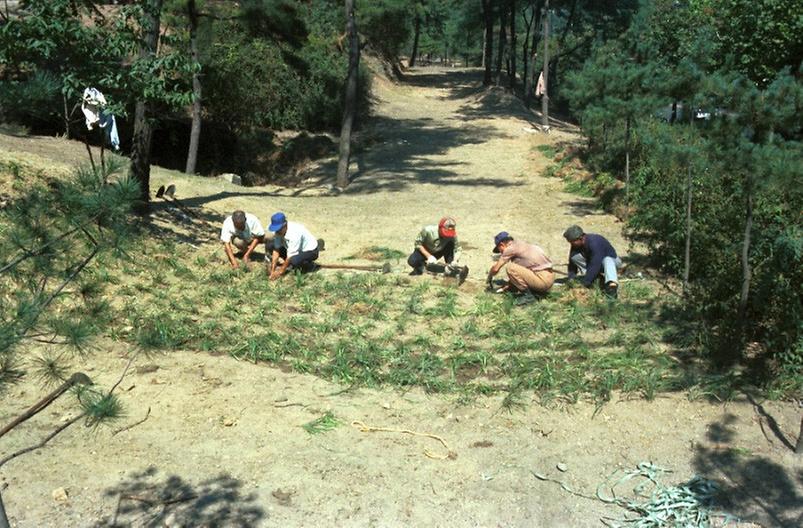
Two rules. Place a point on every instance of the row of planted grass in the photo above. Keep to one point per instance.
(365, 329)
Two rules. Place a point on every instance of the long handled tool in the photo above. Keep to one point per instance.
(384, 268)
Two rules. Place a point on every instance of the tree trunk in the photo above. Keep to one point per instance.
(500, 53)
(689, 195)
(687, 251)
(141, 140)
(195, 130)
(512, 44)
(488, 15)
(350, 104)
(414, 53)
(568, 25)
(484, 47)
(529, 79)
(525, 48)
(545, 97)
(746, 271)
(66, 116)
(627, 164)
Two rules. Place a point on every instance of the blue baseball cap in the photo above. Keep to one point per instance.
(277, 221)
(503, 235)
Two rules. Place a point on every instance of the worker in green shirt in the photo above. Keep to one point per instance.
(435, 242)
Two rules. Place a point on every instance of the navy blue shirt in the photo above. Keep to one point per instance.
(595, 248)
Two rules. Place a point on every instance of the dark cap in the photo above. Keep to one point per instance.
(499, 238)
(573, 233)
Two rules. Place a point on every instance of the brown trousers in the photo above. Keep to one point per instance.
(524, 278)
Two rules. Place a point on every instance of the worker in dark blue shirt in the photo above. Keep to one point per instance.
(592, 255)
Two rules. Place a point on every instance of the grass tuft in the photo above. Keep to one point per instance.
(325, 423)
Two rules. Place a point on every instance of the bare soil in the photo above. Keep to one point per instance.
(223, 445)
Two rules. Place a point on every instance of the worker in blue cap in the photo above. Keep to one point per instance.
(293, 247)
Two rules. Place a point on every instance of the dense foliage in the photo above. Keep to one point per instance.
(715, 143)
(265, 65)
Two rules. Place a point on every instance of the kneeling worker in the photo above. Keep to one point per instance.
(593, 256)
(293, 243)
(434, 242)
(529, 270)
(243, 231)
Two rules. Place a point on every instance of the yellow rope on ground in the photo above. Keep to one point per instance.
(370, 429)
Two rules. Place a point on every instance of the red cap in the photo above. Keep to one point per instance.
(446, 227)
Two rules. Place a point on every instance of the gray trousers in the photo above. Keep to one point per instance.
(609, 266)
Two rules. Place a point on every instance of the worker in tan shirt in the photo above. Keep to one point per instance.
(529, 270)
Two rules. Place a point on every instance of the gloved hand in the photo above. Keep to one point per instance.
(431, 259)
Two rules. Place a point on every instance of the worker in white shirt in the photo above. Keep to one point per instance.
(242, 231)
(294, 244)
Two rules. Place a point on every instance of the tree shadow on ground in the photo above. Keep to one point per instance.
(488, 101)
(581, 208)
(401, 155)
(753, 488)
(459, 83)
(147, 499)
(191, 225)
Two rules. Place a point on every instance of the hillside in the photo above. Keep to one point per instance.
(222, 442)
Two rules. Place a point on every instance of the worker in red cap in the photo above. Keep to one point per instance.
(435, 242)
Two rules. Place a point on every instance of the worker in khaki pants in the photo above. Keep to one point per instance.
(529, 270)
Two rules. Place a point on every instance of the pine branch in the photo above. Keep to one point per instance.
(63, 285)
(78, 377)
(42, 443)
(28, 254)
(131, 426)
(125, 371)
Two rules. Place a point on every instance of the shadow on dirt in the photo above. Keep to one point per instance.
(753, 488)
(487, 102)
(169, 223)
(581, 208)
(401, 151)
(147, 499)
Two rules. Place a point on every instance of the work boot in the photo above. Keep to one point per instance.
(611, 290)
(463, 274)
(419, 270)
(525, 298)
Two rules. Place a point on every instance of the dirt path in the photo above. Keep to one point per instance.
(223, 443)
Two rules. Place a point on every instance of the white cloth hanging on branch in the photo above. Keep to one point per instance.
(92, 105)
(539, 86)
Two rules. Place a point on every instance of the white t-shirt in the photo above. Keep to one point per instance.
(296, 239)
(252, 229)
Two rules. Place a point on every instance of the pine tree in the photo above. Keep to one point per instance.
(54, 231)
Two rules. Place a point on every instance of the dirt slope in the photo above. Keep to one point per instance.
(223, 443)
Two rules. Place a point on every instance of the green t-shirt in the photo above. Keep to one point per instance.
(432, 241)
